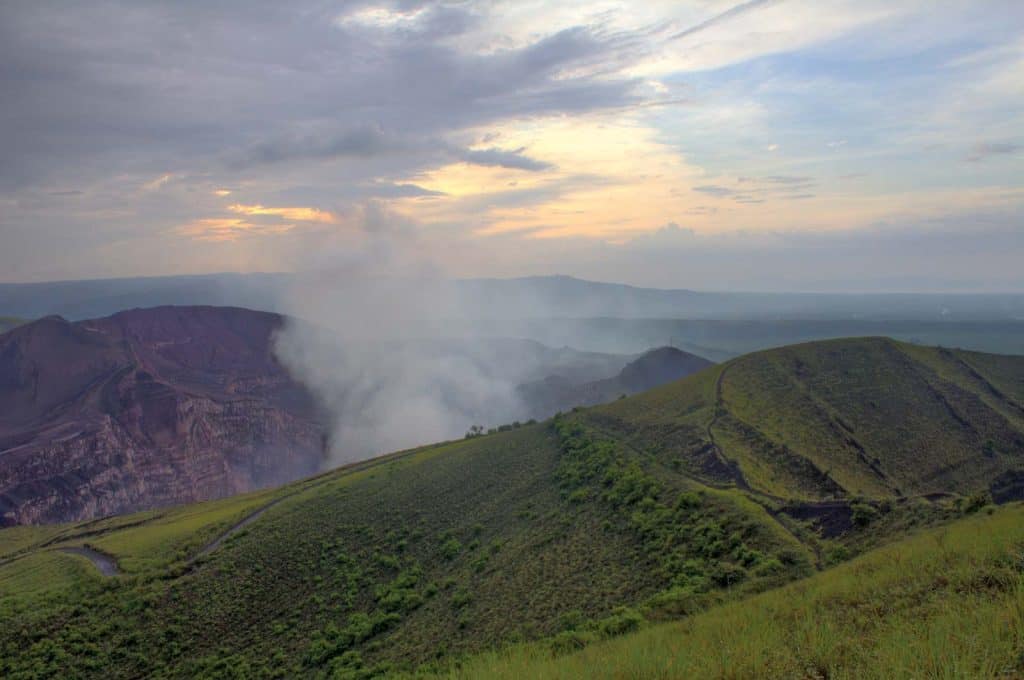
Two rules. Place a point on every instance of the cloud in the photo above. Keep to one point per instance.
(728, 14)
(984, 150)
(227, 229)
(381, 17)
(513, 159)
(359, 142)
(297, 214)
(715, 190)
(477, 120)
(776, 179)
(671, 235)
(756, 190)
(400, 190)
(158, 182)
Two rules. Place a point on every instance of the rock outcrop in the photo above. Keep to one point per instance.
(147, 408)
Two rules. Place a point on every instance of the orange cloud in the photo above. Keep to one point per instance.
(221, 229)
(297, 214)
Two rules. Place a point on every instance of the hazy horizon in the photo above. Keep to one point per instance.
(824, 290)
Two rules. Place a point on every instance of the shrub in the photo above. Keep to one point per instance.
(571, 641)
(727, 574)
(837, 554)
(461, 598)
(622, 620)
(571, 620)
(579, 495)
(976, 502)
(451, 548)
(863, 514)
(674, 603)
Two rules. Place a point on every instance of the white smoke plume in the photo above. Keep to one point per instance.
(368, 332)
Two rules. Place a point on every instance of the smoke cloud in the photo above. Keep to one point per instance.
(370, 332)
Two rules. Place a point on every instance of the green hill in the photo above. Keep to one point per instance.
(870, 417)
(730, 482)
(945, 604)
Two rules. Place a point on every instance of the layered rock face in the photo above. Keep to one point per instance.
(147, 408)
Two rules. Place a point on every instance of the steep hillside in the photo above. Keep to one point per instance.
(408, 561)
(694, 494)
(867, 417)
(146, 408)
(945, 604)
(656, 367)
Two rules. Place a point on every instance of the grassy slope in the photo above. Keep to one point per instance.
(429, 555)
(948, 603)
(444, 552)
(869, 417)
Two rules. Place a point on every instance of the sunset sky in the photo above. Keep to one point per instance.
(760, 145)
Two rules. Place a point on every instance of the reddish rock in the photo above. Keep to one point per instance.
(146, 408)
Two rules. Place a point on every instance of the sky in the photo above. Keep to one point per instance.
(783, 145)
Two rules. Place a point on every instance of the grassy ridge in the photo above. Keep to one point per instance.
(948, 603)
(408, 562)
(734, 481)
(863, 417)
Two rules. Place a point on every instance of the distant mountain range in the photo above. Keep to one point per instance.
(517, 298)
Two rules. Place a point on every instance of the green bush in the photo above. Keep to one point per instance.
(674, 603)
(976, 502)
(461, 598)
(571, 641)
(451, 548)
(622, 620)
(863, 514)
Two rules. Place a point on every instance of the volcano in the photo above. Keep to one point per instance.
(147, 408)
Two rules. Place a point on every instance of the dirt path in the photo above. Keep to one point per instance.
(238, 526)
(717, 407)
(319, 480)
(105, 563)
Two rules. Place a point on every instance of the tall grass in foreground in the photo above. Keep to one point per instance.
(948, 603)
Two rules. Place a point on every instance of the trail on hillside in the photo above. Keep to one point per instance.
(238, 526)
(323, 478)
(719, 405)
(106, 564)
